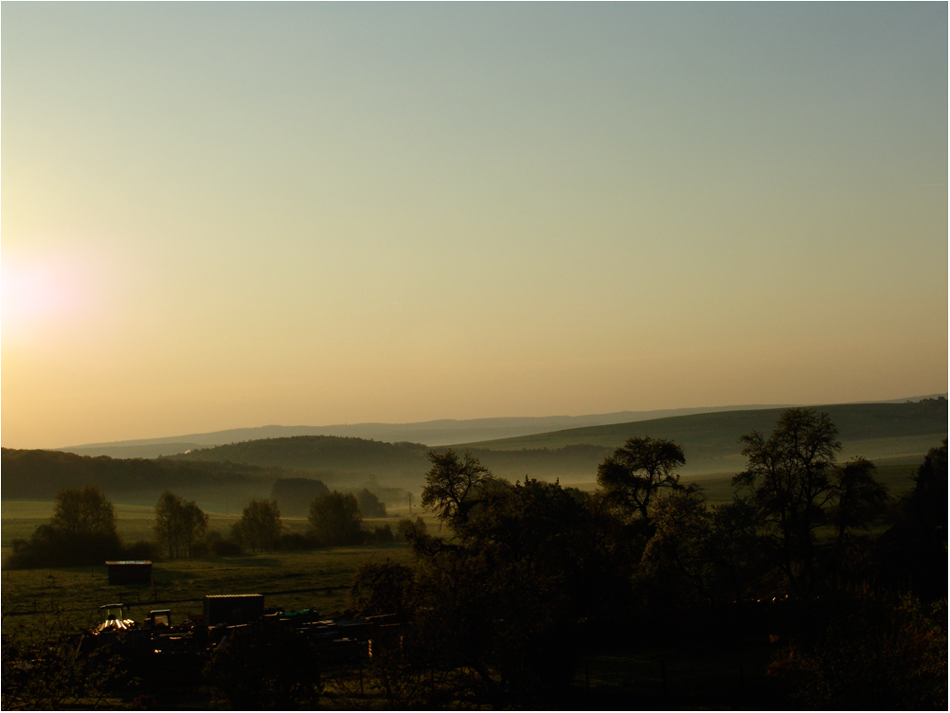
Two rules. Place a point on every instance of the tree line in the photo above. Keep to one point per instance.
(83, 529)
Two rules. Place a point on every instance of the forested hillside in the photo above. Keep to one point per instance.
(321, 453)
(39, 475)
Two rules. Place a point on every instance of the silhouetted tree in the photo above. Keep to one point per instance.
(789, 476)
(81, 531)
(913, 552)
(84, 512)
(454, 486)
(736, 552)
(179, 524)
(259, 526)
(384, 588)
(927, 503)
(858, 497)
(636, 472)
(369, 504)
(794, 484)
(675, 556)
(500, 601)
(336, 519)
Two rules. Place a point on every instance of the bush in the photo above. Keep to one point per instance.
(872, 651)
(48, 671)
(220, 546)
(141, 550)
(297, 541)
(381, 535)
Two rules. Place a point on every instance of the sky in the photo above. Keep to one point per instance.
(222, 215)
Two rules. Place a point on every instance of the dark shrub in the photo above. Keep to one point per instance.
(221, 546)
(141, 550)
(297, 541)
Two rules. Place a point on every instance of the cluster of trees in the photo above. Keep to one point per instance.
(82, 531)
(491, 613)
(335, 519)
(179, 525)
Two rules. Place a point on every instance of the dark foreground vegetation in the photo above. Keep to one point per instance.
(529, 590)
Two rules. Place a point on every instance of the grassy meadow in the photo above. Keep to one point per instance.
(292, 580)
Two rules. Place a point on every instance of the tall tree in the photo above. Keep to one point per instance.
(336, 519)
(499, 602)
(789, 476)
(81, 531)
(913, 553)
(84, 512)
(858, 497)
(637, 471)
(454, 486)
(178, 524)
(369, 504)
(260, 525)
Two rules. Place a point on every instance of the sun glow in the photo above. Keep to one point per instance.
(41, 294)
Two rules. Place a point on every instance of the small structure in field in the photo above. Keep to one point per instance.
(130, 572)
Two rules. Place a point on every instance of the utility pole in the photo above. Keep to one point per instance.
(410, 504)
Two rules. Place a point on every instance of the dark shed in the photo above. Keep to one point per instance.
(130, 572)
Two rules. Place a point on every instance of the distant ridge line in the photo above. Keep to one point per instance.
(434, 433)
(233, 435)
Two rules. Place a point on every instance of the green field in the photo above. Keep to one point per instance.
(291, 580)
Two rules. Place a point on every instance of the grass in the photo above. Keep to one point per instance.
(904, 428)
(291, 580)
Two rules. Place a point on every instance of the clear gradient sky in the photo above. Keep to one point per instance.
(228, 215)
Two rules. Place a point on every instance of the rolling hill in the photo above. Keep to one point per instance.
(432, 433)
(235, 472)
(711, 440)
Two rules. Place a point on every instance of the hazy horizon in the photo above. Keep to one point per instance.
(217, 215)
